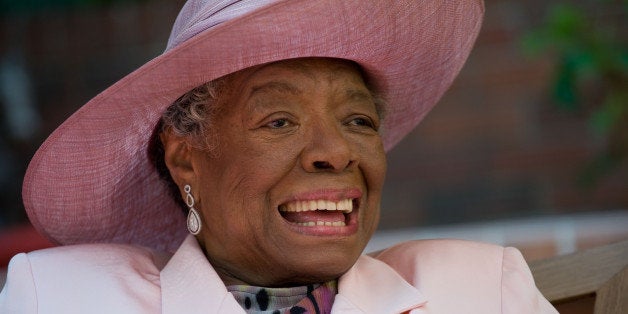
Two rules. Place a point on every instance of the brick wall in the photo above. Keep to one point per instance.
(496, 146)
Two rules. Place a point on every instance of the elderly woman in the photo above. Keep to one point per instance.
(267, 122)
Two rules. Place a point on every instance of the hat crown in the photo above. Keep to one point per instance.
(197, 16)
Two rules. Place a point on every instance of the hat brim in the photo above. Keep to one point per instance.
(92, 181)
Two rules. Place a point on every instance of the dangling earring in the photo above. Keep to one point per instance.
(194, 220)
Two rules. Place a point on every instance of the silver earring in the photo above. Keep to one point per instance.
(194, 220)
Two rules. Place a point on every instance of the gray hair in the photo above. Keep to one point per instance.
(192, 116)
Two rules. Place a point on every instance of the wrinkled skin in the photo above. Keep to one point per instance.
(302, 129)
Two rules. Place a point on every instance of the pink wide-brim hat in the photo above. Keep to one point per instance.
(92, 180)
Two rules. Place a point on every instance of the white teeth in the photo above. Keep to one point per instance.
(321, 204)
(346, 206)
(322, 223)
(330, 205)
(307, 224)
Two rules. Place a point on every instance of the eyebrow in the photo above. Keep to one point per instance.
(361, 95)
(352, 94)
(356, 94)
(275, 86)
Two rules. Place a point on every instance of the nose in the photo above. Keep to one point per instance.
(328, 151)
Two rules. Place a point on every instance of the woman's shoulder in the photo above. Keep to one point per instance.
(455, 258)
(84, 262)
(458, 258)
(456, 273)
(431, 247)
(103, 274)
(100, 255)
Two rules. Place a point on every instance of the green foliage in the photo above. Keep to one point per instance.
(591, 75)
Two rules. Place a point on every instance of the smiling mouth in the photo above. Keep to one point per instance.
(317, 213)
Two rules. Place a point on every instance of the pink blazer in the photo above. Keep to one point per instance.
(428, 276)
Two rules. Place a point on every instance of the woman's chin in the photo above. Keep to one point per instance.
(313, 275)
(320, 266)
(300, 268)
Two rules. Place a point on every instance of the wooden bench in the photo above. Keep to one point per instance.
(591, 281)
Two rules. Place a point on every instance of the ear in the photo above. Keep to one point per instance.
(178, 152)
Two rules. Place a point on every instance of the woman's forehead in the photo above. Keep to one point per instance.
(294, 77)
(286, 77)
(307, 67)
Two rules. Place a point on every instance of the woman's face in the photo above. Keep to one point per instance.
(292, 194)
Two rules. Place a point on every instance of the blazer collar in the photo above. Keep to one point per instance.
(189, 284)
(371, 286)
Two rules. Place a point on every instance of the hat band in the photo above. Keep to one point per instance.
(196, 17)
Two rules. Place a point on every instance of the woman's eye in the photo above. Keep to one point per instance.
(362, 121)
(278, 124)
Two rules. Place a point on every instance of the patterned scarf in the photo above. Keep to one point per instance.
(311, 299)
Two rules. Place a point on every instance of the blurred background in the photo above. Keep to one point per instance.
(528, 148)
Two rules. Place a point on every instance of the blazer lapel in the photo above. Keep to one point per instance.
(189, 284)
(371, 286)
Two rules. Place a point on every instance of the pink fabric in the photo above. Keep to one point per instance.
(430, 276)
(478, 272)
(91, 180)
